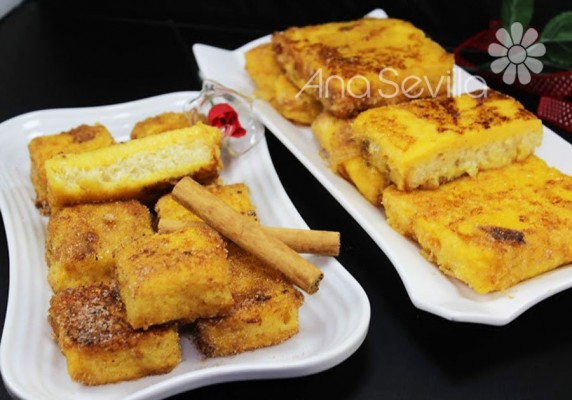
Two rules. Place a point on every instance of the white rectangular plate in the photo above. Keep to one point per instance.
(427, 288)
(333, 322)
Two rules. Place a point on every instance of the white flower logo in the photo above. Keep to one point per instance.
(516, 54)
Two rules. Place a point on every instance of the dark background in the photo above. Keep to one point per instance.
(71, 54)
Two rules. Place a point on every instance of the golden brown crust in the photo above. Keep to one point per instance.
(347, 157)
(164, 122)
(179, 276)
(273, 85)
(444, 115)
(79, 139)
(236, 195)
(92, 318)
(336, 139)
(427, 142)
(494, 230)
(100, 346)
(265, 310)
(343, 51)
(81, 240)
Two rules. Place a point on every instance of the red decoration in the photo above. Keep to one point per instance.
(224, 117)
(553, 88)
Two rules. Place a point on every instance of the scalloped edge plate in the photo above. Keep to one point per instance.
(427, 287)
(333, 322)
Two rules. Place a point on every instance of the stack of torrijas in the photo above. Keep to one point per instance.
(455, 173)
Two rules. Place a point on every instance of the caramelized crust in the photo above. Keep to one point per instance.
(179, 276)
(77, 140)
(92, 317)
(347, 157)
(265, 305)
(265, 310)
(427, 142)
(164, 122)
(81, 241)
(345, 56)
(169, 210)
(494, 230)
(336, 139)
(99, 344)
(273, 85)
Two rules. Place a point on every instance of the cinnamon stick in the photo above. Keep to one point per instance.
(247, 234)
(324, 243)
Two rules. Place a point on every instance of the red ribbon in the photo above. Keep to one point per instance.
(552, 88)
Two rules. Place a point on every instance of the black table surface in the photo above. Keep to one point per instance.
(65, 54)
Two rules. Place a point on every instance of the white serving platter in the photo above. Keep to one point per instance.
(428, 289)
(333, 322)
